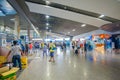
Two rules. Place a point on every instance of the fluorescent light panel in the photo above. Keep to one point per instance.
(47, 24)
(47, 27)
(47, 2)
(83, 25)
(37, 39)
(101, 16)
(73, 30)
(47, 16)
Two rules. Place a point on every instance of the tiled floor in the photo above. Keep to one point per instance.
(30, 58)
(93, 66)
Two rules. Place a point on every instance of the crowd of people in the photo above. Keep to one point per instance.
(109, 46)
(79, 47)
(47, 48)
(17, 50)
(82, 46)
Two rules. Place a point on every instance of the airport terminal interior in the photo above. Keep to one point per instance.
(59, 39)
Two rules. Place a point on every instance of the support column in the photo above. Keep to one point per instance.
(17, 27)
(5, 28)
(28, 32)
(18, 31)
(43, 34)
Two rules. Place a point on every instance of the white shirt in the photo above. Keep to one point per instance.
(15, 50)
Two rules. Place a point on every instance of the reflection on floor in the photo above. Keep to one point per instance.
(30, 58)
(92, 66)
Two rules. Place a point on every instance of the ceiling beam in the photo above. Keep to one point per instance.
(18, 8)
(109, 8)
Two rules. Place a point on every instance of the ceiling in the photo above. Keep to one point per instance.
(67, 15)
(56, 25)
(9, 21)
(114, 27)
(61, 26)
(80, 13)
(72, 8)
(42, 9)
(110, 8)
(6, 8)
(7, 16)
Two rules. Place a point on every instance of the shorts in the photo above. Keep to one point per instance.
(52, 54)
(44, 51)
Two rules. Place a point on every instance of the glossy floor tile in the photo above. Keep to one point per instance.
(92, 66)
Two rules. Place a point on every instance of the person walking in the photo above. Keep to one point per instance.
(22, 48)
(26, 49)
(73, 46)
(64, 45)
(45, 49)
(51, 50)
(30, 48)
(16, 54)
(37, 47)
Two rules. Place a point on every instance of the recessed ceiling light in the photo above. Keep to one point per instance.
(47, 28)
(50, 30)
(73, 30)
(47, 2)
(68, 32)
(47, 24)
(47, 16)
(83, 25)
(101, 16)
(12, 19)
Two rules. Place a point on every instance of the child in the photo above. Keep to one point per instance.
(77, 51)
(45, 49)
(30, 48)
